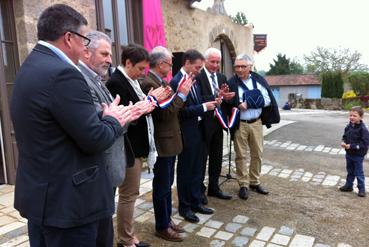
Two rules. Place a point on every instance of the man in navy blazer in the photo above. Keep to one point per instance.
(62, 186)
(191, 159)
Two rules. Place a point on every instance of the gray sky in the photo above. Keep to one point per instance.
(297, 27)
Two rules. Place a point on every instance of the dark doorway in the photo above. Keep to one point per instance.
(177, 62)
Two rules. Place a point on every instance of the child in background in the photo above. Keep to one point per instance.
(355, 141)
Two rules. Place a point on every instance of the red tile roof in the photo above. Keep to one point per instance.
(292, 80)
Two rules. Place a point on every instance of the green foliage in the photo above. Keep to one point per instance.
(283, 66)
(332, 85)
(240, 18)
(342, 60)
(347, 105)
(359, 82)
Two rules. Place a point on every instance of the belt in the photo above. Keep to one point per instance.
(250, 120)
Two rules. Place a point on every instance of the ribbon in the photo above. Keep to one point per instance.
(221, 118)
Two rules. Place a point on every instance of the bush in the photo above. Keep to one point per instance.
(359, 82)
(349, 94)
(332, 85)
(351, 103)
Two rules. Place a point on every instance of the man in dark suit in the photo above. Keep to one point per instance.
(214, 87)
(257, 106)
(190, 160)
(168, 142)
(62, 185)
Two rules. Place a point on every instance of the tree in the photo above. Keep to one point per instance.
(283, 66)
(360, 82)
(332, 84)
(341, 60)
(240, 18)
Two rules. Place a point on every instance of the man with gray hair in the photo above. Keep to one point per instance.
(214, 87)
(168, 141)
(257, 107)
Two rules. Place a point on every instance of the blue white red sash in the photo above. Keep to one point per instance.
(222, 120)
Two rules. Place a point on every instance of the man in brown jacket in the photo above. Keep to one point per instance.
(168, 142)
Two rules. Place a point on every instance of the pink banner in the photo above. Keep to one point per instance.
(154, 33)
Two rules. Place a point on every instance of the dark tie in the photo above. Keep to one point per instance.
(194, 94)
(214, 84)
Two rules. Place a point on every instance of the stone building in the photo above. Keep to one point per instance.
(185, 28)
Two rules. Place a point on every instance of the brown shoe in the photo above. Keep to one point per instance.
(169, 234)
(175, 227)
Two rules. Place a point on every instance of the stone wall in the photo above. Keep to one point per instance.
(194, 28)
(28, 11)
(324, 103)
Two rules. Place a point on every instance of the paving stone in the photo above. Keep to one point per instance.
(319, 148)
(16, 232)
(275, 171)
(240, 241)
(292, 146)
(206, 232)
(285, 173)
(214, 224)
(138, 212)
(217, 243)
(203, 218)
(285, 230)
(223, 235)
(343, 245)
(15, 241)
(342, 152)
(232, 227)
(143, 190)
(147, 176)
(331, 180)
(7, 199)
(26, 244)
(334, 151)
(321, 245)
(257, 243)
(309, 149)
(190, 227)
(176, 221)
(277, 144)
(4, 220)
(144, 217)
(280, 239)
(273, 245)
(265, 233)
(301, 147)
(302, 241)
(326, 150)
(248, 231)
(272, 142)
(307, 176)
(146, 206)
(11, 227)
(147, 185)
(265, 169)
(286, 144)
(240, 219)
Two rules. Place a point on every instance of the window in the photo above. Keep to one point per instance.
(122, 21)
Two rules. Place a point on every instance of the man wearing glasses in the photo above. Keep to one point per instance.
(62, 185)
(257, 107)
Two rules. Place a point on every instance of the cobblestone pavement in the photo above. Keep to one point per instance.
(224, 228)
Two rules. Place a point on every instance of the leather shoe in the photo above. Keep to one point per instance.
(203, 210)
(243, 193)
(361, 193)
(175, 227)
(139, 244)
(169, 234)
(259, 189)
(190, 217)
(346, 188)
(219, 194)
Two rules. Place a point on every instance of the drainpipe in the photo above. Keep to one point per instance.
(3, 154)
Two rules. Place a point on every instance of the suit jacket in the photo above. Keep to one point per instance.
(167, 132)
(115, 156)
(210, 122)
(269, 114)
(190, 113)
(137, 131)
(61, 180)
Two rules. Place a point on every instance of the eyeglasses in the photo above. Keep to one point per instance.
(241, 66)
(170, 64)
(86, 41)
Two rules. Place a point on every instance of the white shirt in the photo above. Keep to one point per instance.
(249, 114)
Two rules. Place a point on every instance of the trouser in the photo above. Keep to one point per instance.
(128, 193)
(80, 236)
(354, 167)
(162, 191)
(248, 135)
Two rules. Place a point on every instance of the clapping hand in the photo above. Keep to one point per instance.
(186, 86)
(224, 92)
(160, 93)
